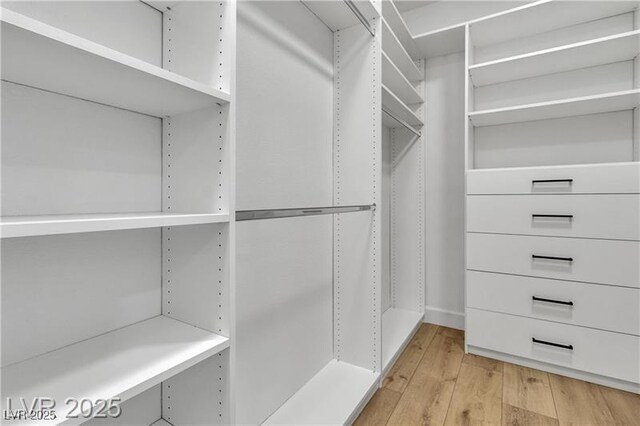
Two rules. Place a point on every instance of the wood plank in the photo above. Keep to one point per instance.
(426, 399)
(477, 397)
(451, 332)
(379, 408)
(528, 389)
(403, 369)
(579, 402)
(514, 416)
(624, 406)
(483, 362)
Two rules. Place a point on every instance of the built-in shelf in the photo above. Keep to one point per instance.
(398, 54)
(605, 50)
(398, 108)
(27, 226)
(118, 364)
(334, 396)
(441, 42)
(336, 14)
(608, 102)
(395, 81)
(398, 326)
(39, 55)
(399, 27)
(540, 17)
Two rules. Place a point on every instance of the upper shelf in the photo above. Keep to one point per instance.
(395, 81)
(397, 53)
(441, 42)
(608, 102)
(398, 108)
(541, 16)
(118, 364)
(399, 27)
(42, 56)
(336, 14)
(605, 50)
(29, 226)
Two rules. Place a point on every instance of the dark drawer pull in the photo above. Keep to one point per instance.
(557, 345)
(563, 259)
(569, 181)
(558, 216)
(559, 302)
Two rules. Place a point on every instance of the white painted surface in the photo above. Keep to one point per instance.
(39, 55)
(398, 326)
(331, 397)
(62, 155)
(623, 178)
(601, 103)
(513, 294)
(121, 364)
(284, 107)
(284, 305)
(441, 42)
(444, 317)
(142, 410)
(611, 354)
(612, 262)
(445, 187)
(130, 27)
(394, 49)
(396, 82)
(62, 289)
(27, 226)
(398, 108)
(336, 15)
(593, 216)
(397, 24)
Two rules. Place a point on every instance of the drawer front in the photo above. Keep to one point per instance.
(591, 305)
(594, 261)
(623, 178)
(599, 352)
(608, 216)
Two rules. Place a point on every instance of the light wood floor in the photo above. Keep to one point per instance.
(435, 383)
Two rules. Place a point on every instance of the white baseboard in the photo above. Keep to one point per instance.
(444, 317)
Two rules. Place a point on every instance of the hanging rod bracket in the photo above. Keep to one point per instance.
(351, 5)
(294, 212)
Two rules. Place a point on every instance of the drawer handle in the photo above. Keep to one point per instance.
(569, 181)
(557, 345)
(559, 302)
(563, 259)
(558, 216)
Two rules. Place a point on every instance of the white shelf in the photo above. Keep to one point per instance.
(334, 396)
(122, 363)
(394, 105)
(540, 17)
(397, 53)
(441, 42)
(395, 81)
(336, 14)
(608, 102)
(399, 27)
(42, 56)
(398, 327)
(605, 50)
(161, 422)
(27, 226)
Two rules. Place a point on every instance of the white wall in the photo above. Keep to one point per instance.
(445, 190)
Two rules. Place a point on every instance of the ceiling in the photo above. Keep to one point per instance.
(404, 5)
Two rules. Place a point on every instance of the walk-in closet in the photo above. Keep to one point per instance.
(320, 212)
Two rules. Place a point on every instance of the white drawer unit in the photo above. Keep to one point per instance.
(605, 353)
(591, 305)
(609, 216)
(622, 178)
(575, 259)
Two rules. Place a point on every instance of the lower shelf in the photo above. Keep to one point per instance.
(333, 396)
(398, 326)
(118, 364)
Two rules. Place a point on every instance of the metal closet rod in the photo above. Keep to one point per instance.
(351, 5)
(404, 123)
(293, 212)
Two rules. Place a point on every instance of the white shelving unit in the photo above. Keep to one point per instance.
(397, 83)
(117, 220)
(398, 54)
(395, 105)
(441, 41)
